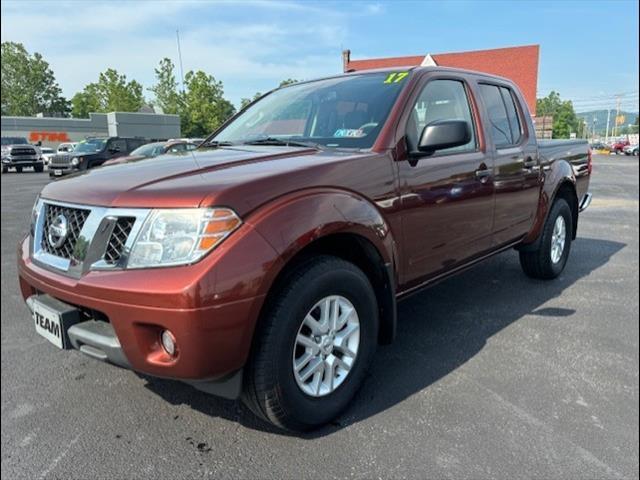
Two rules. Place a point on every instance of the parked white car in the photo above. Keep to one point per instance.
(67, 147)
(46, 154)
(631, 149)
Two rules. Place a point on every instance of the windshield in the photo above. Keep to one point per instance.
(338, 112)
(90, 146)
(14, 141)
(149, 150)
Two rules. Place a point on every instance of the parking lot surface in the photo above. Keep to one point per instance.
(492, 375)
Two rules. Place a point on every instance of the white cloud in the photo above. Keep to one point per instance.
(251, 46)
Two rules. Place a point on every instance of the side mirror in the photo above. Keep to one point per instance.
(443, 134)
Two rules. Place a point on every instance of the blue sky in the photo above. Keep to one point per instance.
(589, 49)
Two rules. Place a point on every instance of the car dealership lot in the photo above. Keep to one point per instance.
(492, 375)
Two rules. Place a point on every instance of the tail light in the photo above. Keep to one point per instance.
(589, 161)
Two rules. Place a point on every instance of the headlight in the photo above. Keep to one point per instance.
(75, 161)
(181, 236)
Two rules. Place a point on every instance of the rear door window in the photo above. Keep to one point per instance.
(497, 112)
(512, 115)
(506, 128)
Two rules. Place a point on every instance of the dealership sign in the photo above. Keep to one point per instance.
(48, 137)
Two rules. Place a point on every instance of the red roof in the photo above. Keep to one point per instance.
(519, 64)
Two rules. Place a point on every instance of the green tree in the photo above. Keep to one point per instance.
(565, 120)
(246, 101)
(166, 88)
(28, 84)
(205, 107)
(111, 93)
(288, 81)
(85, 102)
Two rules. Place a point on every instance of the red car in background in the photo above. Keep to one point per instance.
(618, 147)
(154, 149)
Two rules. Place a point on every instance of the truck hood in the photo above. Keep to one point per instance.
(239, 177)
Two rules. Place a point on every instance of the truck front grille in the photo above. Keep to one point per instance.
(60, 160)
(96, 238)
(74, 217)
(118, 239)
(23, 152)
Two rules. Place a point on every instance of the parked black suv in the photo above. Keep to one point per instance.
(92, 152)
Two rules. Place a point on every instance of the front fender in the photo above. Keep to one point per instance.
(295, 220)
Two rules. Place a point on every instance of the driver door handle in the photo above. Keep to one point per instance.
(483, 173)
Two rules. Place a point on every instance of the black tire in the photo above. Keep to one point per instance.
(5, 169)
(537, 263)
(18, 169)
(270, 389)
(38, 168)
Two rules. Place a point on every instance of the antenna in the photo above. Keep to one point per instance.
(180, 59)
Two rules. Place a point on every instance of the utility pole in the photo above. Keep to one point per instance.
(608, 119)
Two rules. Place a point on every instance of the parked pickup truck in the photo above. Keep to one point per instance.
(268, 265)
(17, 153)
(92, 152)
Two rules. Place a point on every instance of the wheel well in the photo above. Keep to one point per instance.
(567, 191)
(362, 253)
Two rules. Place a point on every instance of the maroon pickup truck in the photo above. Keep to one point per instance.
(267, 265)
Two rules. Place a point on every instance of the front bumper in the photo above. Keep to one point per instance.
(135, 306)
(56, 170)
(21, 161)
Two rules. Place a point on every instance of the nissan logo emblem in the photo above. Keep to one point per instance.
(58, 231)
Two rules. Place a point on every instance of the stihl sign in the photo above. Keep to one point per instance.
(48, 137)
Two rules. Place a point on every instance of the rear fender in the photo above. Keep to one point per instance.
(555, 174)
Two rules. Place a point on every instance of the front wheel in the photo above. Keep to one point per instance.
(550, 258)
(313, 346)
(38, 168)
(18, 169)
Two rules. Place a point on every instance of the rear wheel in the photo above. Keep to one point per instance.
(5, 169)
(550, 258)
(314, 346)
(38, 168)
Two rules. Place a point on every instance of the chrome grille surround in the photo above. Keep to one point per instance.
(92, 248)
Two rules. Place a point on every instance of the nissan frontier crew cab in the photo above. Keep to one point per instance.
(267, 264)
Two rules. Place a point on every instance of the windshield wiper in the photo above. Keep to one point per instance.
(216, 144)
(282, 142)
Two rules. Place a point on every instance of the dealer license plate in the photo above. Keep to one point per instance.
(48, 323)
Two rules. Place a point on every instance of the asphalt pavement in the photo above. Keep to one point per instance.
(493, 375)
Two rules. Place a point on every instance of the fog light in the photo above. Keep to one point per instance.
(168, 342)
